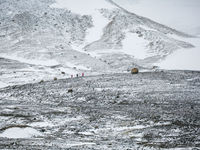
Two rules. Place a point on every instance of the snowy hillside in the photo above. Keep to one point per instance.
(179, 14)
(99, 74)
(60, 38)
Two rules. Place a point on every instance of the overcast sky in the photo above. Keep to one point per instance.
(180, 14)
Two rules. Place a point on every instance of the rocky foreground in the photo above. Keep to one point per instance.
(151, 110)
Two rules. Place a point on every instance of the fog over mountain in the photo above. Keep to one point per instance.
(178, 14)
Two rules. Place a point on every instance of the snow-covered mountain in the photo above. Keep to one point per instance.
(179, 14)
(47, 37)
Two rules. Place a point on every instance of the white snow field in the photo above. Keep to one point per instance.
(135, 46)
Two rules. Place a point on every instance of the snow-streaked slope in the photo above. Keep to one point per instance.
(47, 37)
(96, 32)
(184, 59)
(156, 39)
(88, 7)
(178, 14)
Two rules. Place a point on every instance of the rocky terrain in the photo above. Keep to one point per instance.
(151, 110)
(45, 42)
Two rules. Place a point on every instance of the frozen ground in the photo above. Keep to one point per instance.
(151, 110)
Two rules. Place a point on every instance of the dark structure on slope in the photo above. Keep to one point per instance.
(134, 71)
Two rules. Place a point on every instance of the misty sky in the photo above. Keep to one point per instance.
(179, 14)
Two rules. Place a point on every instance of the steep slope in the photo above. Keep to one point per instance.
(183, 59)
(32, 32)
(178, 14)
(154, 37)
(101, 37)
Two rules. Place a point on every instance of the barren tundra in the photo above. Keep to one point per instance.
(151, 110)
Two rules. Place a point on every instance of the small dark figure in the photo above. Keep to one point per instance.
(70, 90)
(41, 81)
(43, 130)
(77, 75)
(62, 72)
(154, 67)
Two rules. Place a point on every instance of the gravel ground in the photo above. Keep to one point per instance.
(151, 110)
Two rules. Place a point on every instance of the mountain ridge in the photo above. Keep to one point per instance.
(36, 32)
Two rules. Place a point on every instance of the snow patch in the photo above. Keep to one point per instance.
(20, 133)
(7, 110)
(2, 84)
(86, 133)
(135, 46)
(96, 32)
(99, 89)
(136, 127)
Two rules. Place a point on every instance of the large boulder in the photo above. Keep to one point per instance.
(134, 71)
